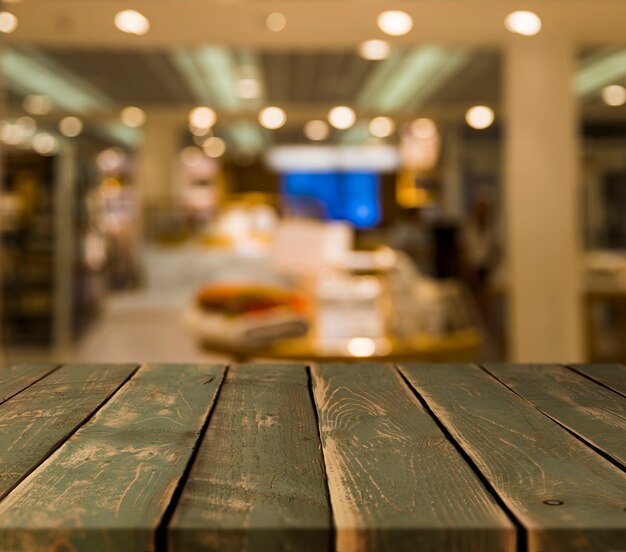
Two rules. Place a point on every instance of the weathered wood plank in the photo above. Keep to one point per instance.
(17, 378)
(108, 486)
(566, 495)
(258, 481)
(40, 418)
(611, 375)
(585, 408)
(396, 483)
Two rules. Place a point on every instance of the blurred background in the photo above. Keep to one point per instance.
(187, 181)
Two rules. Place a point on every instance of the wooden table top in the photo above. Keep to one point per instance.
(347, 457)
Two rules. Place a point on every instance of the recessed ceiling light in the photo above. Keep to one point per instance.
(8, 22)
(202, 117)
(381, 127)
(395, 22)
(248, 88)
(272, 117)
(214, 147)
(36, 104)
(70, 126)
(133, 116)
(614, 95)
(341, 117)
(374, 49)
(523, 22)
(479, 117)
(132, 22)
(316, 130)
(276, 22)
(424, 128)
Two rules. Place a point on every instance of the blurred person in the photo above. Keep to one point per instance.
(480, 250)
(412, 235)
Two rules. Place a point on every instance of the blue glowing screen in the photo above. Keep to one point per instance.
(353, 197)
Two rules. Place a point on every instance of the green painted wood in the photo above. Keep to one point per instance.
(396, 483)
(584, 407)
(17, 378)
(529, 459)
(36, 421)
(611, 375)
(108, 486)
(258, 481)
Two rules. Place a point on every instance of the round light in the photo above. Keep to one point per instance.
(202, 117)
(276, 22)
(341, 117)
(191, 156)
(381, 127)
(45, 144)
(248, 88)
(10, 133)
(27, 126)
(133, 116)
(272, 117)
(109, 160)
(361, 347)
(214, 147)
(8, 22)
(424, 128)
(395, 22)
(614, 95)
(523, 22)
(479, 117)
(36, 104)
(132, 22)
(374, 49)
(316, 130)
(70, 126)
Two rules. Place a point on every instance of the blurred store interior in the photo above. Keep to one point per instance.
(188, 181)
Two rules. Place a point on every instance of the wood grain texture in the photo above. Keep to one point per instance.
(40, 418)
(107, 487)
(396, 483)
(585, 408)
(17, 378)
(258, 481)
(611, 375)
(529, 459)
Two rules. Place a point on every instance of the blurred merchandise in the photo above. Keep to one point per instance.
(246, 315)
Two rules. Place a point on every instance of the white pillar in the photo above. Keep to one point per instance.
(542, 183)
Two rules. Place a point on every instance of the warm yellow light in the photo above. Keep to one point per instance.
(133, 116)
(395, 22)
(248, 88)
(361, 347)
(110, 159)
(276, 22)
(523, 22)
(70, 126)
(381, 127)
(316, 130)
(27, 126)
(202, 117)
(8, 22)
(374, 49)
(45, 144)
(132, 22)
(614, 95)
(424, 128)
(341, 117)
(272, 117)
(479, 117)
(36, 104)
(214, 147)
